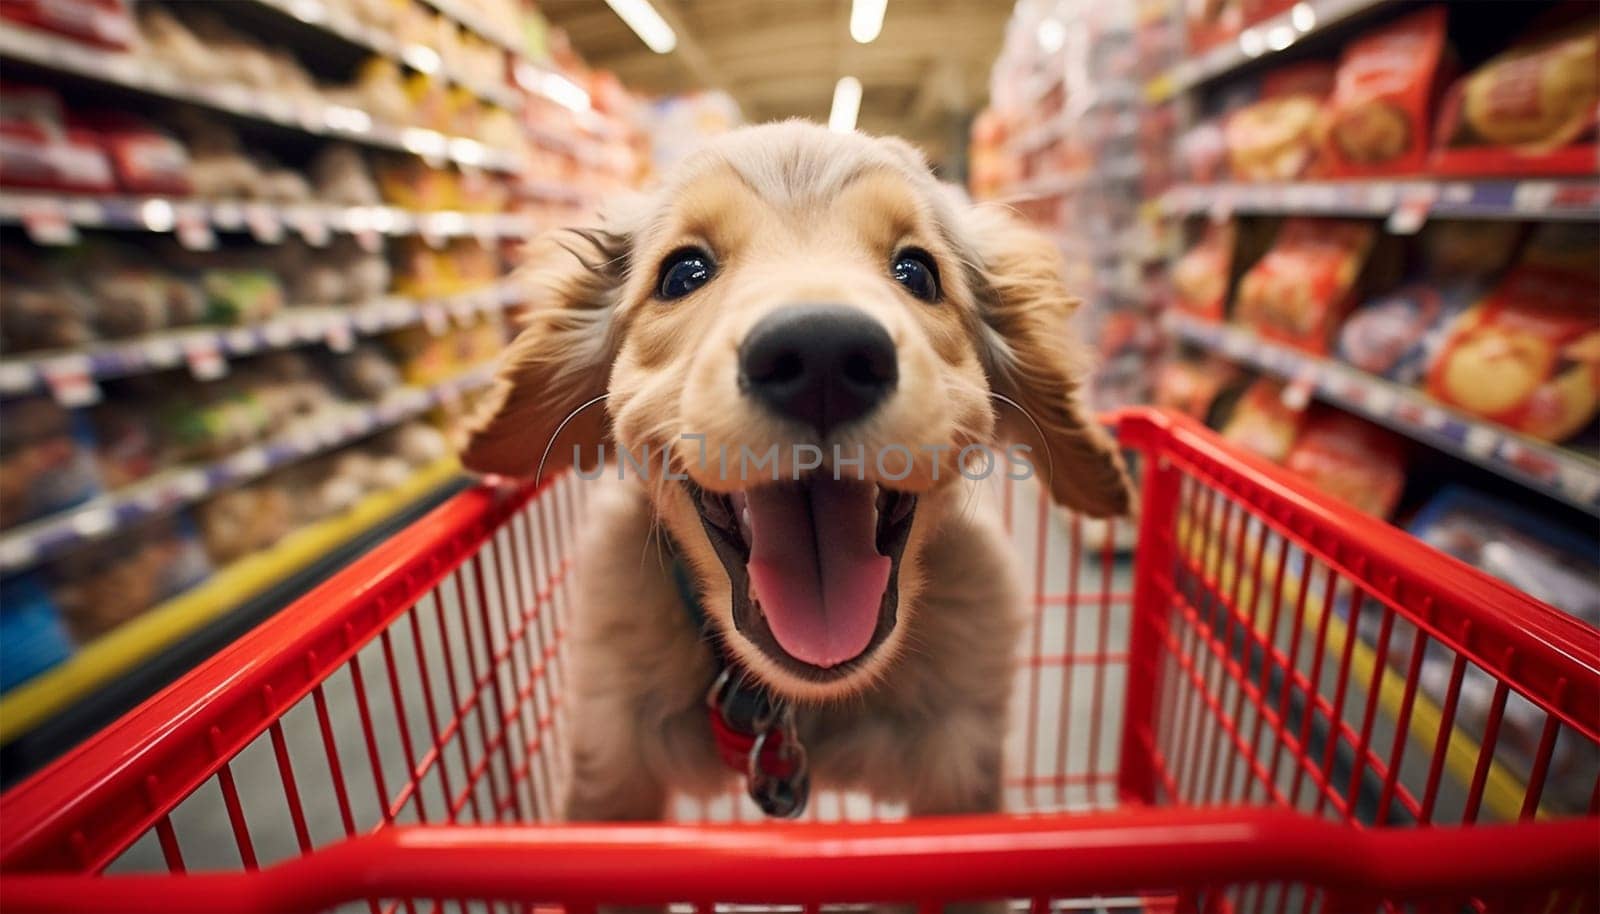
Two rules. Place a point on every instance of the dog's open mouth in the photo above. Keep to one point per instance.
(814, 565)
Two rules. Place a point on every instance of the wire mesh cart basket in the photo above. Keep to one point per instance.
(1273, 704)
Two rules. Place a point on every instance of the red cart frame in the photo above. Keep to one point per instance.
(1296, 707)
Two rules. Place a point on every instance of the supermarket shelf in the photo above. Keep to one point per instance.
(1557, 472)
(335, 21)
(29, 704)
(1054, 130)
(206, 349)
(469, 19)
(49, 537)
(1542, 199)
(130, 71)
(1058, 184)
(1049, 186)
(45, 214)
(1262, 40)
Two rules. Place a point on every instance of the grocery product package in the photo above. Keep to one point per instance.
(1211, 22)
(100, 22)
(1351, 459)
(1191, 384)
(104, 585)
(1298, 292)
(1527, 355)
(1529, 110)
(47, 461)
(33, 637)
(1378, 117)
(1396, 333)
(39, 148)
(1263, 422)
(1526, 549)
(1515, 544)
(1200, 277)
(1275, 138)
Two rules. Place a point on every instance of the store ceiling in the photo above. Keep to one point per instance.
(923, 77)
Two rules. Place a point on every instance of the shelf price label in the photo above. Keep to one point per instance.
(436, 320)
(1480, 442)
(311, 226)
(17, 552)
(1583, 484)
(1297, 393)
(449, 396)
(1411, 209)
(264, 224)
(205, 358)
(16, 377)
(1533, 196)
(341, 338)
(71, 381)
(193, 229)
(47, 223)
(278, 333)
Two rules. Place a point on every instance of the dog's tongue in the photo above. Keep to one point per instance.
(815, 566)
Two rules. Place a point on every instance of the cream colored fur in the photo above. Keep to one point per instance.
(794, 213)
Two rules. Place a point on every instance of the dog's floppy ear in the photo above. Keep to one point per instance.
(559, 362)
(1033, 359)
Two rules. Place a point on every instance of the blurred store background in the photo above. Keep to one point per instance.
(253, 260)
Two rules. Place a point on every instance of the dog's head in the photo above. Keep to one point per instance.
(801, 341)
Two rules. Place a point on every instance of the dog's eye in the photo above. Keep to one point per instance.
(683, 272)
(914, 269)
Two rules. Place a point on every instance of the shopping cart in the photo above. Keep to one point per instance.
(1279, 704)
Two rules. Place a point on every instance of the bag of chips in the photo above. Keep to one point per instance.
(1305, 284)
(1262, 422)
(1523, 111)
(1274, 139)
(1395, 334)
(1527, 355)
(1352, 460)
(1200, 277)
(1376, 120)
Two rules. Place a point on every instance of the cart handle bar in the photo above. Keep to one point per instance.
(1140, 849)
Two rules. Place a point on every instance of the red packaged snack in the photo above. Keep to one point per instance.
(1352, 460)
(38, 150)
(1274, 139)
(1190, 386)
(1211, 22)
(1253, 11)
(146, 160)
(1302, 288)
(1200, 276)
(1263, 423)
(101, 22)
(1528, 354)
(1376, 121)
(1530, 110)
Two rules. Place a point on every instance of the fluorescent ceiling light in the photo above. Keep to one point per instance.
(866, 19)
(846, 105)
(646, 23)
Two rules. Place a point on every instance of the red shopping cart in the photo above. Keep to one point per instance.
(1276, 704)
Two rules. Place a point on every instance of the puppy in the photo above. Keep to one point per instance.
(795, 353)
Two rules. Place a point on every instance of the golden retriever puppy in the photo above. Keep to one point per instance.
(797, 354)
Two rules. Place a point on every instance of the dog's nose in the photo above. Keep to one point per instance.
(822, 365)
